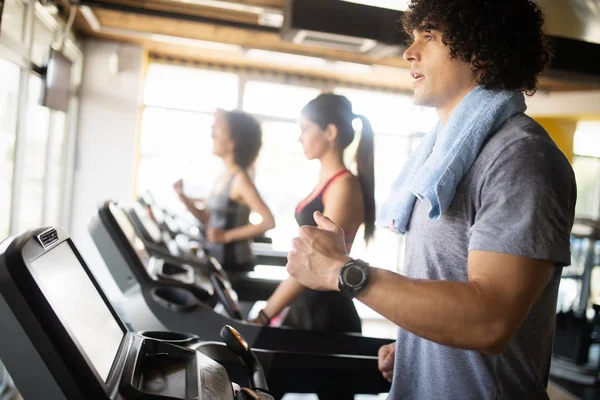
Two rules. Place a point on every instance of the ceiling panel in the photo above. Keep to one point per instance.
(154, 32)
(183, 8)
(189, 8)
(575, 19)
(241, 37)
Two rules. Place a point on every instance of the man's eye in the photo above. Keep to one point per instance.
(428, 38)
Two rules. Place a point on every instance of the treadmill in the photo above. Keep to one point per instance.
(150, 304)
(180, 225)
(176, 242)
(63, 340)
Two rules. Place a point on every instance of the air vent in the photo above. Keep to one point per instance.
(382, 50)
(341, 25)
(48, 238)
(333, 41)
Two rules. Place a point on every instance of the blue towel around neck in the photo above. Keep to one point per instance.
(446, 155)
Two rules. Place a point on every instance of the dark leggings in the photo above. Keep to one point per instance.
(324, 311)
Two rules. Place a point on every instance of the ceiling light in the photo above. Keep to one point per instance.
(270, 19)
(230, 5)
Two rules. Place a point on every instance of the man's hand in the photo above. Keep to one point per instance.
(318, 254)
(385, 360)
(217, 236)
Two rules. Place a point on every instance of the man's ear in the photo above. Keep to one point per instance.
(477, 65)
(331, 133)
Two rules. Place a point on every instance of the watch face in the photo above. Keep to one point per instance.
(353, 276)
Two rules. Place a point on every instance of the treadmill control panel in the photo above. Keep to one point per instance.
(44, 280)
(159, 368)
(215, 381)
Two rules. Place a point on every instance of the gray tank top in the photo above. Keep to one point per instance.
(225, 214)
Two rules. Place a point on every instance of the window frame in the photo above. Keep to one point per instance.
(20, 53)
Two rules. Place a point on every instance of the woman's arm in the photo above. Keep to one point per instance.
(283, 296)
(201, 214)
(244, 191)
(343, 200)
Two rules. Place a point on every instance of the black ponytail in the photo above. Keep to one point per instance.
(366, 174)
(329, 108)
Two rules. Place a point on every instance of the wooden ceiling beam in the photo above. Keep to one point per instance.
(395, 80)
(260, 3)
(240, 37)
(176, 16)
(279, 4)
(178, 7)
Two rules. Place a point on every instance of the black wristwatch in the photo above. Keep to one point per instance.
(353, 277)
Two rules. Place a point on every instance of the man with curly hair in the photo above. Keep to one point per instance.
(486, 204)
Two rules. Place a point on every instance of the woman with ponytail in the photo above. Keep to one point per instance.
(347, 199)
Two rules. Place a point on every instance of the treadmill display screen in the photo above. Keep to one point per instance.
(149, 225)
(129, 231)
(79, 306)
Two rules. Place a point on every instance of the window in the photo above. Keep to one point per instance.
(382, 109)
(56, 169)
(586, 164)
(391, 152)
(587, 174)
(35, 143)
(390, 113)
(36, 152)
(176, 140)
(277, 100)
(42, 39)
(176, 145)
(9, 93)
(191, 89)
(13, 20)
(284, 178)
(587, 139)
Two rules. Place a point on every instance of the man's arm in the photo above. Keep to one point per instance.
(480, 314)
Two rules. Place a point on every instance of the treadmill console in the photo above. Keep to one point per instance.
(69, 340)
(130, 261)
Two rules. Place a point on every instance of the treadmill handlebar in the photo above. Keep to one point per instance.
(238, 345)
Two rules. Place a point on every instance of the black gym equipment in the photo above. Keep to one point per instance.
(578, 323)
(177, 241)
(62, 339)
(183, 232)
(152, 304)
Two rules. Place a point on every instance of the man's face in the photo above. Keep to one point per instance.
(440, 81)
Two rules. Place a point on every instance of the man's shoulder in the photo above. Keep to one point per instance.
(517, 140)
(517, 128)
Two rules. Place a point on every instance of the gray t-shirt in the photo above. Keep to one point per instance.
(518, 198)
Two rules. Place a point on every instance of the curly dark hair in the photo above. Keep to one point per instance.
(503, 38)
